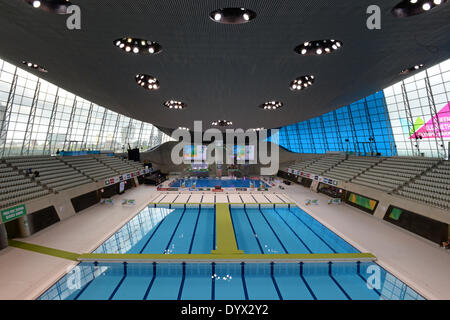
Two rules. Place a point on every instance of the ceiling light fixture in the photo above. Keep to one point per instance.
(302, 82)
(148, 82)
(408, 8)
(271, 105)
(318, 47)
(413, 68)
(222, 123)
(52, 6)
(34, 66)
(136, 45)
(232, 15)
(176, 105)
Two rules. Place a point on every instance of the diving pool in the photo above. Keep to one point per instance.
(224, 183)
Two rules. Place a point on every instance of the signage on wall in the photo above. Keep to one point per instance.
(13, 213)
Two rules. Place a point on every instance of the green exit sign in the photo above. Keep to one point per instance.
(13, 213)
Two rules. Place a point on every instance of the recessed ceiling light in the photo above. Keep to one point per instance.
(318, 47)
(257, 129)
(407, 8)
(52, 6)
(148, 82)
(302, 82)
(232, 15)
(173, 104)
(34, 66)
(271, 105)
(222, 123)
(411, 69)
(183, 128)
(136, 45)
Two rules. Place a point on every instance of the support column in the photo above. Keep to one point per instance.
(24, 227)
(3, 237)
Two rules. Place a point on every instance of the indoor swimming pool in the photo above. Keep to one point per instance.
(240, 281)
(284, 230)
(257, 230)
(224, 183)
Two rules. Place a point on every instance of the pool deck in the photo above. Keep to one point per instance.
(421, 264)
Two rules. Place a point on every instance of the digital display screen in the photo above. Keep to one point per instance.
(244, 153)
(196, 153)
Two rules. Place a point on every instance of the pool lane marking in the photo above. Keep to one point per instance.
(306, 282)
(293, 231)
(44, 250)
(280, 297)
(153, 233)
(276, 235)
(180, 292)
(213, 281)
(358, 271)
(232, 222)
(151, 282)
(326, 243)
(87, 284)
(214, 231)
(195, 230)
(254, 232)
(244, 284)
(120, 282)
(225, 234)
(175, 230)
(337, 282)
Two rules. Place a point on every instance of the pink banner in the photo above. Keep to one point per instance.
(428, 130)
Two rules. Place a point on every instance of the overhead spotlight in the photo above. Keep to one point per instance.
(407, 8)
(173, 104)
(271, 105)
(222, 123)
(302, 82)
(35, 66)
(147, 81)
(232, 15)
(138, 45)
(318, 47)
(183, 128)
(411, 69)
(52, 6)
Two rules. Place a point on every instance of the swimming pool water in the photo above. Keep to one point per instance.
(230, 281)
(284, 231)
(224, 183)
(164, 230)
(258, 231)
